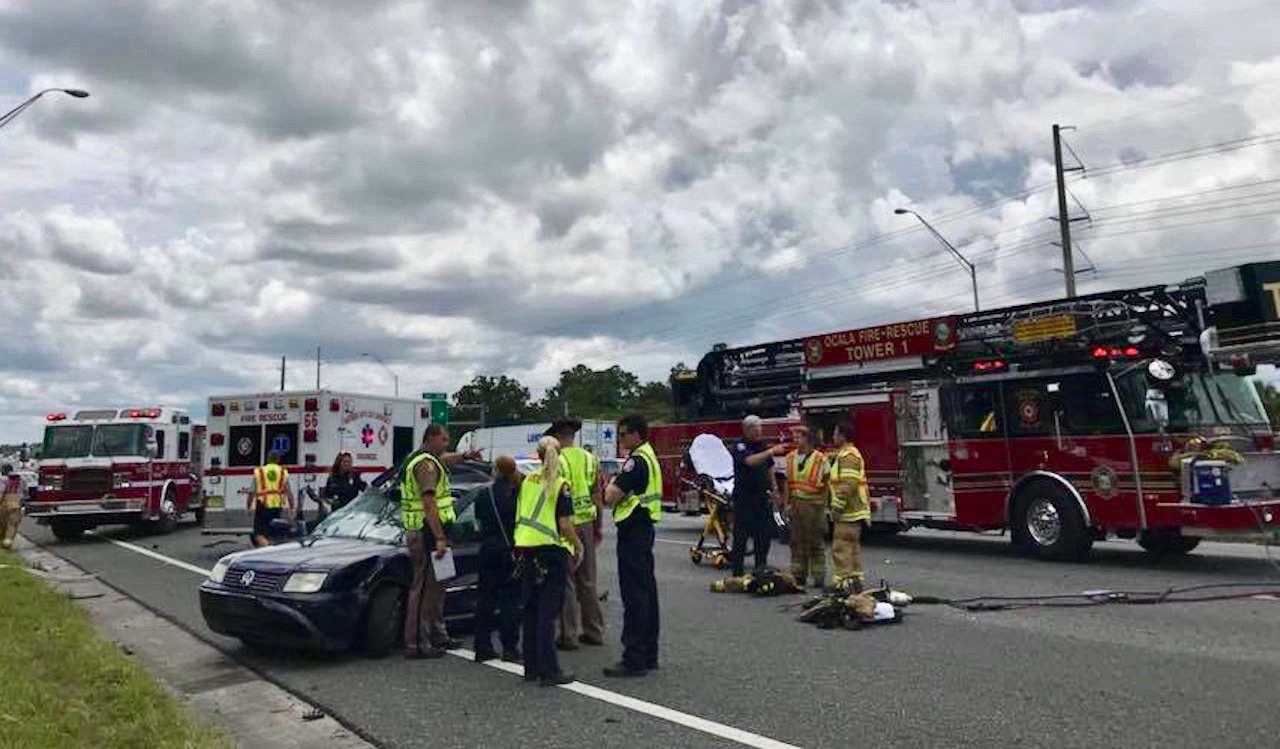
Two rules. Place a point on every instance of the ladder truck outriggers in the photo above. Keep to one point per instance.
(1127, 413)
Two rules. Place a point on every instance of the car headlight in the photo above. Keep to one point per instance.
(305, 582)
(219, 570)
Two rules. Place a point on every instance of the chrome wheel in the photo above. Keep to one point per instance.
(1043, 522)
(168, 508)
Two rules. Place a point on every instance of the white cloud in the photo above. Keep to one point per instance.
(481, 186)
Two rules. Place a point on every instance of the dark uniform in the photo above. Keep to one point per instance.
(499, 590)
(636, 578)
(752, 517)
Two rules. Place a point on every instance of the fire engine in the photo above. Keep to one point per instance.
(1126, 413)
(118, 465)
(309, 428)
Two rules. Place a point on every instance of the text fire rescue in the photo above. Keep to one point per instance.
(879, 343)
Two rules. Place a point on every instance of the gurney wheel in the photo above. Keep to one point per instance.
(695, 555)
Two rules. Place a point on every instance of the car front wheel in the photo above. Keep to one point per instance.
(383, 622)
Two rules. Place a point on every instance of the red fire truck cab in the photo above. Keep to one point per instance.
(118, 465)
(1127, 413)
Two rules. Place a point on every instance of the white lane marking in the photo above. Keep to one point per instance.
(720, 730)
(738, 735)
(156, 556)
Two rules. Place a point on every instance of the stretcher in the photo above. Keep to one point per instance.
(713, 480)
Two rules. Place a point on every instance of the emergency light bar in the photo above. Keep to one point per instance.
(55, 417)
(1115, 352)
(144, 413)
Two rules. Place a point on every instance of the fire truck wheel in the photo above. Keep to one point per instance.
(1047, 524)
(383, 622)
(1166, 543)
(168, 520)
(67, 530)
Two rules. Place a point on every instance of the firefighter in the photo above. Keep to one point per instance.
(12, 493)
(850, 508)
(635, 495)
(805, 495)
(582, 621)
(547, 546)
(426, 501)
(267, 503)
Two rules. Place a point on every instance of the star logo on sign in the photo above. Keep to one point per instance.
(366, 435)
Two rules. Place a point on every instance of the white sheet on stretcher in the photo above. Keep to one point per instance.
(711, 458)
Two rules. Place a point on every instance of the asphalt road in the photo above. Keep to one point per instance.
(1175, 675)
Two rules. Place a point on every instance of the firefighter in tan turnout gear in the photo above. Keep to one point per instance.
(850, 509)
(805, 495)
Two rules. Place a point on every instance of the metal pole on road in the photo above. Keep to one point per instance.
(9, 116)
(973, 271)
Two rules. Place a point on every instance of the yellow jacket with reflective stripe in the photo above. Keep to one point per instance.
(411, 516)
(536, 514)
(805, 478)
(849, 473)
(651, 499)
(579, 467)
(268, 484)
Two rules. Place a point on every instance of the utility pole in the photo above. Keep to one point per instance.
(1064, 220)
(282, 374)
(317, 367)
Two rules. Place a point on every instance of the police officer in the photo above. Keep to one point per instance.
(582, 620)
(426, 502)
(850, 508)
(547, 545)
(635, 495)
(753, 482)
(270, 491)
(805, 496)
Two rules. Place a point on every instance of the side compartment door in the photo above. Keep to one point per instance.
(925, 462)
(979, 452)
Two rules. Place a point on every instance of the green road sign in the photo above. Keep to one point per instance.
(435, 396)
(440, 412)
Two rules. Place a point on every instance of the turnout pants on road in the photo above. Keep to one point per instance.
(426, 596)
(808, 546)
(846, 553)
(639, 592)
(581, 615)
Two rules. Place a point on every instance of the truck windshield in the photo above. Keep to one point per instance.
(1204, 399)
(67, 441)
(120, 439)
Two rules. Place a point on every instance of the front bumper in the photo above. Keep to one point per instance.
(326, 621)
(1238, 517)
(322, 621)
(107, 505)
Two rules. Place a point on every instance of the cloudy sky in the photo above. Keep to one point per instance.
(486, 186)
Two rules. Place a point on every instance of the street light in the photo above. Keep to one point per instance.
(7, 117)
(390, 371)
(973, 272)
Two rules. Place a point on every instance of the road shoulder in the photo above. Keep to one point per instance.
(255, 712)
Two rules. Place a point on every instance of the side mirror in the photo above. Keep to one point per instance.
(1157, 407)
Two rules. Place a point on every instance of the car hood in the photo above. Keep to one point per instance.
(314, 554)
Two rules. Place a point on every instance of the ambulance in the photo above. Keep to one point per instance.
(309, 428)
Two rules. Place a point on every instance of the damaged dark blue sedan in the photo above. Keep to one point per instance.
(343, 586)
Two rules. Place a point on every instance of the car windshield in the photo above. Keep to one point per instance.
(1201, 399)
(67, 441)
(375, 516)
(120, 439)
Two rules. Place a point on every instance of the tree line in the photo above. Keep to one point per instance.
(581, 392)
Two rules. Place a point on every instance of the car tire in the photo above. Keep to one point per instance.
(168, 520)
(383, 621)
(1047, 524)
(259, 646)
(1166, 543)
(68, 530)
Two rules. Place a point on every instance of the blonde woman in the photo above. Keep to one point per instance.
(547, 547)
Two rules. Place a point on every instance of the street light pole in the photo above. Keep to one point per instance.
(973, 271)
(395, 377)
(9, 116)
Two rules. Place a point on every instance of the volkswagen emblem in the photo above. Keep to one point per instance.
(247, 579)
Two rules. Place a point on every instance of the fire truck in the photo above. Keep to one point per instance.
(1126, 413)
(309, 428)
(118, 465)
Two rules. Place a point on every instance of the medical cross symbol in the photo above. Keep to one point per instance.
(366, 435)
